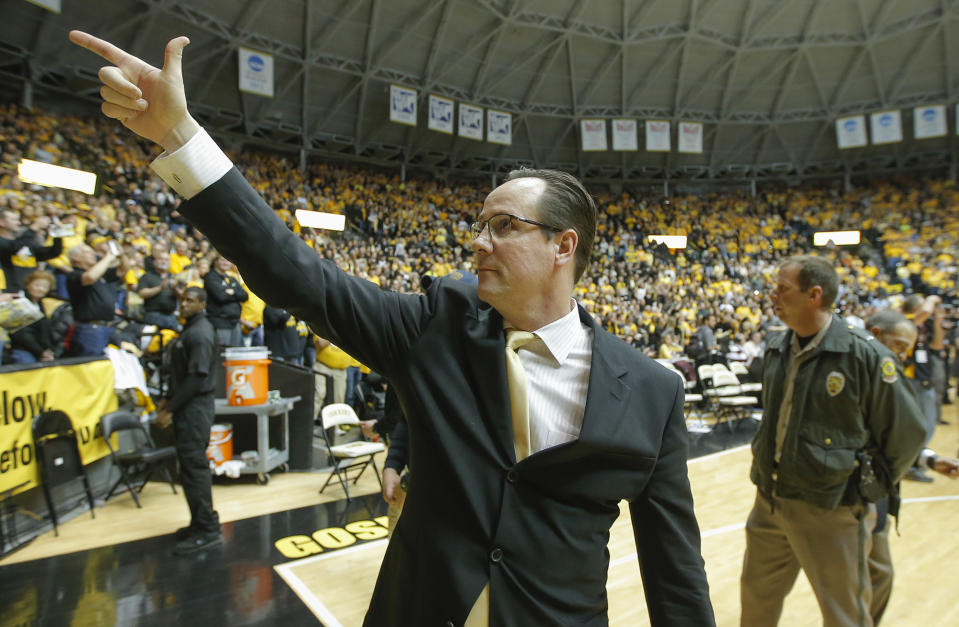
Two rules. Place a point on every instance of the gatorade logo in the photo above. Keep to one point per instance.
(240, 386)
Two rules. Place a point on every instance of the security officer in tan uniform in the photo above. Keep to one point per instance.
(839, 423)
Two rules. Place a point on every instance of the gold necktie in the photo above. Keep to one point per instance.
(518, 397)
(519, 406)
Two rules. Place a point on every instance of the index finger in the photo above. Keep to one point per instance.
(103, 48)
(98, 46)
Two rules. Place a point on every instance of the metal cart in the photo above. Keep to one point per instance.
(268, 459)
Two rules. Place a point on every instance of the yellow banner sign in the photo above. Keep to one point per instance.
(83, 391)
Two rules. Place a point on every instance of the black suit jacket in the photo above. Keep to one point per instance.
(536, 530)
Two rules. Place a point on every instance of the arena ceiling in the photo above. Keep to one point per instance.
(768, 78)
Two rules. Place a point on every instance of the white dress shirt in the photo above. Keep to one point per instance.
(195, 166)
(557, 374)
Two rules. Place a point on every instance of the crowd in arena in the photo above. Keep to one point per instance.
(398, 231)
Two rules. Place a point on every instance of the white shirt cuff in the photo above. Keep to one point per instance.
(193, 167)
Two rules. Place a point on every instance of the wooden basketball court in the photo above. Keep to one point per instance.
(337, 586)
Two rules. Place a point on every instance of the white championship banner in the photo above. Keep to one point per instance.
(471, 122)
(593, 135)
(691, 137)
(851, 132)
(657, 136)
(885, 127)
(929, 121)
(402, 105)
(256, 72)
(624, 134)
(441, 115)
(499, 127)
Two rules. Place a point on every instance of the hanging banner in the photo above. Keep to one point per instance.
(50, 5)
(851, 132)
(402, 105)
(471, 122)
(499, 127)
(84, 391)
(885, 127)
(624, 135)
(256, 72)
(657, 135)
(691, 137)
(441, 115)
(593, 133)
(929, 121)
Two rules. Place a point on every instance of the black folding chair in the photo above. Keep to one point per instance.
(58, 456)
(138, 459)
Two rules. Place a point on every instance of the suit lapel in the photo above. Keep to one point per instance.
(607, 395)
(487, 367)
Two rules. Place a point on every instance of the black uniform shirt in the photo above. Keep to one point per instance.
(192, 362)
(94, 302)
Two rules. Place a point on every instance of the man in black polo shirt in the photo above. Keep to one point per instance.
(190, 407)
(224, 295)
(156, 288)
(93, 287)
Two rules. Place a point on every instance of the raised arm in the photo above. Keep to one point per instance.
(149, 101)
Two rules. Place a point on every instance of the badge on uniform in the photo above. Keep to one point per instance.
(889, 370)
(835, 382)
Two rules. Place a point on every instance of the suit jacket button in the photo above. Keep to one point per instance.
(496, 555)
(512, 476)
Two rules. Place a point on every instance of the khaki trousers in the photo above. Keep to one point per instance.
(880, 572)
(831, 547)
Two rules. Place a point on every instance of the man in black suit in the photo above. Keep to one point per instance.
(506, 521)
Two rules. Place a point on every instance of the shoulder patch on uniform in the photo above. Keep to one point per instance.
(835, 382)
(888, 367)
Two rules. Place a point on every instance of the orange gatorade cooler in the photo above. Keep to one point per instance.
(247, 375)
(221, 444)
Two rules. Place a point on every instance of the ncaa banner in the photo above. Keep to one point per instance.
(851, 132)
(499, 127)
(84, 391)
(691, 137)
(593, 134)
(886, 127)
(441, 115)
(49, 5)
(256, 72)
(402, 105)
(929, 121)
(657, 136)
(624, 135)
(471, 122)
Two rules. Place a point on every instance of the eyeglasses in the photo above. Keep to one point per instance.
(501, 225)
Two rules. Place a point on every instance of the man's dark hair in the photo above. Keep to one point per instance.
(816, 271)
(566, 204)
(199, 292)
(887, 320)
